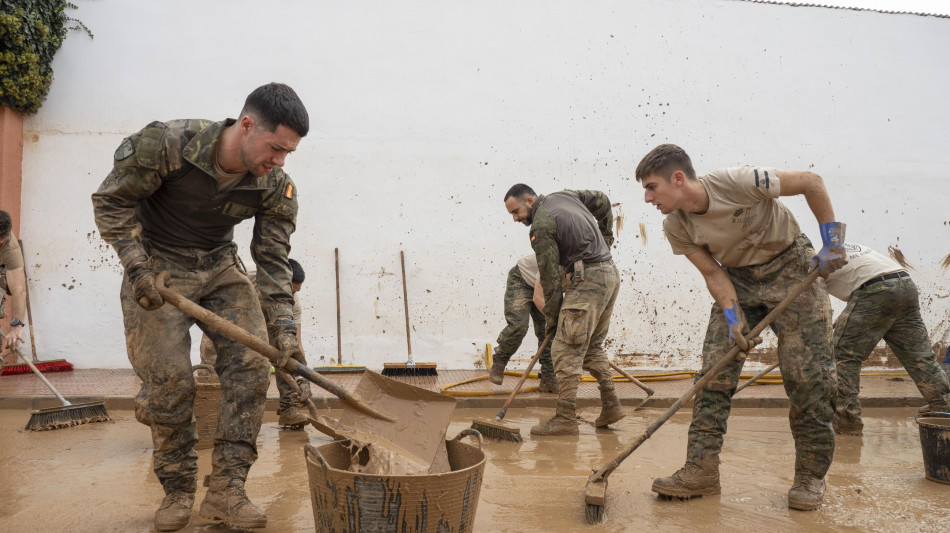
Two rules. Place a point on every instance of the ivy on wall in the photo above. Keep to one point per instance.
(31, 31)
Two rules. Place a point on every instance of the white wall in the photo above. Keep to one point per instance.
(423, 113)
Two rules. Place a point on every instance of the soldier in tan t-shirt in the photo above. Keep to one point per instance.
(731, 225)
(883, 303)
(12, 284)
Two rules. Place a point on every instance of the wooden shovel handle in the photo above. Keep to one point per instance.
(524, 376)
(242, 336)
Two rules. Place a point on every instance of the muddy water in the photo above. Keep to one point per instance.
(98, 478)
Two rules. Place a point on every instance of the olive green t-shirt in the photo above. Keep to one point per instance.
(745, 223)
(11, 257)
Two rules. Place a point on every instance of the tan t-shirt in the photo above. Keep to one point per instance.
(11, 257)
(226, 181)
(863, 264)
(528, 266)
(745, 224)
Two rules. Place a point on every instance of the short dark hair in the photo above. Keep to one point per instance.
(519, 192)
(663, 161)
(298, 273)
(6, 223)
(276, 104)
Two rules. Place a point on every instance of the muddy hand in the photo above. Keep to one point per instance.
(143, 287)
(832, 256)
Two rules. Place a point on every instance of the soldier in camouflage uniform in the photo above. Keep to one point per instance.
(176, 191)
(571, 233)
(750, 251)
(524, 300)
(882, 303)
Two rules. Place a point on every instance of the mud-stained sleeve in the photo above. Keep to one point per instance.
(270, 248)
(138, 167)
(544, 242)
(599, 205)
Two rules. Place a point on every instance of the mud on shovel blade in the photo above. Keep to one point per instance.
(595, 495)
(240, 335)
(422, 418)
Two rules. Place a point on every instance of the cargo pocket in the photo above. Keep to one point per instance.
(573, 327)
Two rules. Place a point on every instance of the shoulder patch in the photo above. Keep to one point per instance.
(533, 237)
(124, 150)
(289, 191)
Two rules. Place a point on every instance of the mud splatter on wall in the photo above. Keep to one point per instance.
(898, 256)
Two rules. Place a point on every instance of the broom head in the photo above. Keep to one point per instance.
(56, 365)
(497, 431)
(406, 369)
(67, 415)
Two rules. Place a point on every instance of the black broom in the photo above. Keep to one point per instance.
(68, 415)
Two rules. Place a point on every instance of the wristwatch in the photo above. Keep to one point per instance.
(16, 322)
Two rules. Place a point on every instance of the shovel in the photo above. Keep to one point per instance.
(240, 335)
(595, 495)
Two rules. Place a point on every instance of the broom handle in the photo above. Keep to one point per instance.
(405, 303)
(242, 336)
(601, 475)
(632, 379)
(339, 342)
(29, 309)
(754, 378)
(40, 374)
(524, 376)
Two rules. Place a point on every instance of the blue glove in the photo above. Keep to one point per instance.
(832, 256)
(737, 326)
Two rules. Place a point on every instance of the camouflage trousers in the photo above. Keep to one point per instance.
(804, 355)
(159, 345)
(209, 355)
(582, 328)
(887, 309)
(519, 310)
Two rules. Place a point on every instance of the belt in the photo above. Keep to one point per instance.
(599, 263)
(892, 275)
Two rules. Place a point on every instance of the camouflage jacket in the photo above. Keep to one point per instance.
(562, 232)
(133, 204)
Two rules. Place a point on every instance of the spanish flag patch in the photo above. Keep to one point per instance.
(289, 191)
(533, 237)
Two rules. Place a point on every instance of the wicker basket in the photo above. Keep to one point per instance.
(207, 404)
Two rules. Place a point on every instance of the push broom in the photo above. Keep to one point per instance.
(409, 368)
(339, 368)
(495, 429)
(595, 494)
(69, 414)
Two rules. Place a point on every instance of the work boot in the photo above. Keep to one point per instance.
(175, 511)
(548, 384)
(226, 501)
(806, 492)
(845, 426)
(292, 417)
(564, 421)
(691, 480)
(497, 374)
(611, 411)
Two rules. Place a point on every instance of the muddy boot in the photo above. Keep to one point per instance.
(806, 492)
(175, 511)
(548, 384)
(691, 480)
(847, 426)
(226, 501)
(497, 374)
(564, 421)
(291, 417)
(611, 411)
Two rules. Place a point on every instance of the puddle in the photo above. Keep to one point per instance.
(98, 477)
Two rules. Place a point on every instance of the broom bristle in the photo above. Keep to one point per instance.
(493, 430)
(595, 514)
(67, 416)
(60, 365)
(404, 369)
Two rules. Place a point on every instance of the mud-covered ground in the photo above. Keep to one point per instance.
(98, 478)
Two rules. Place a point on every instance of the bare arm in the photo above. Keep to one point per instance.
(718, 283)
(538, 297)
(812, 187)
(16, 282)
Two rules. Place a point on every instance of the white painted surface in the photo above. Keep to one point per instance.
(424, 113)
